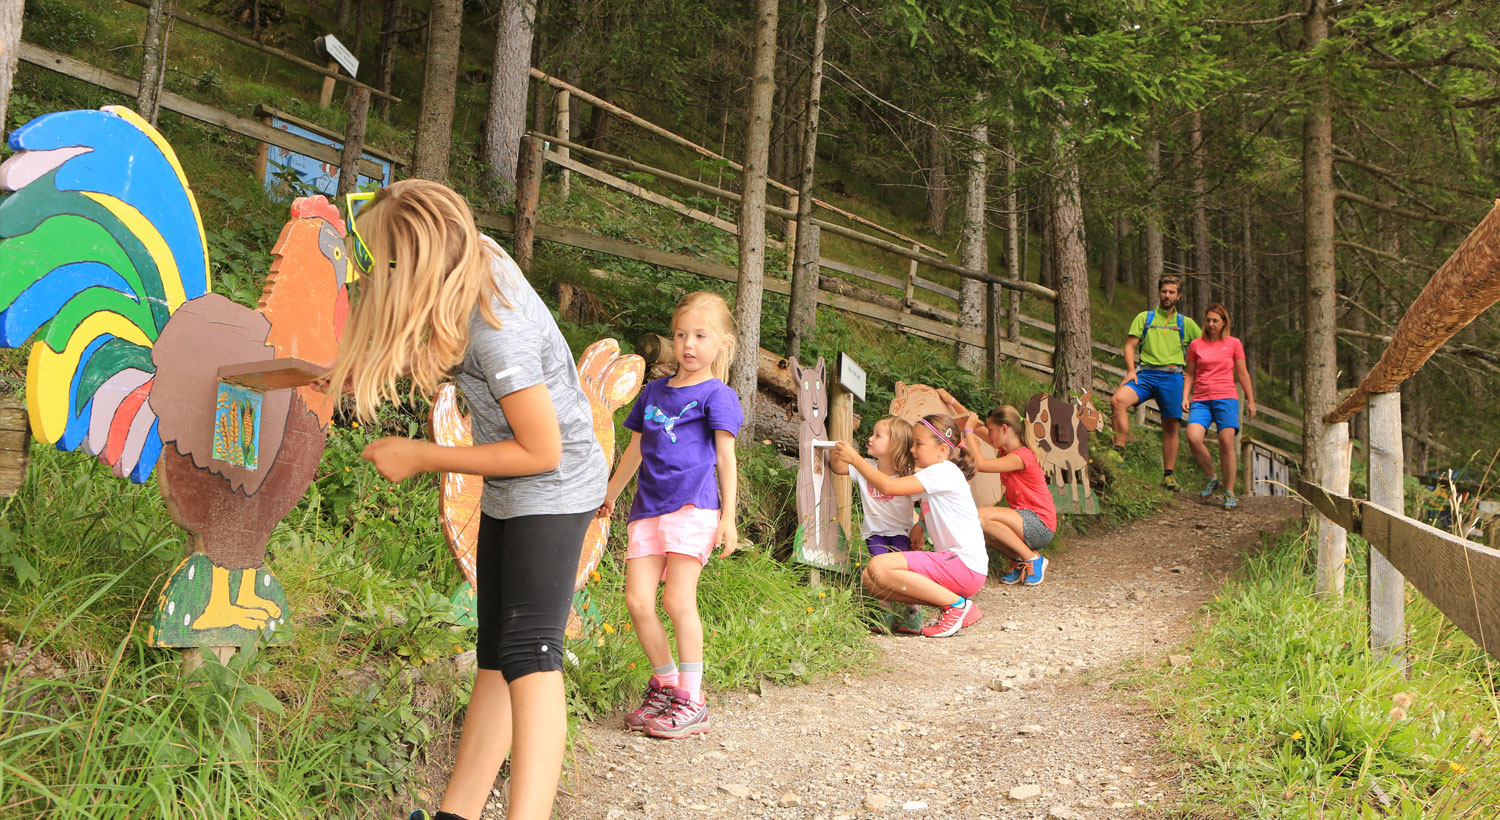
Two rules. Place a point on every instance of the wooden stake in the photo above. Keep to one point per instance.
(841, 428)
(564, 133)
(1387, 484)
(15, 445)
(1333, 541)
(528, 196)
(326, 96)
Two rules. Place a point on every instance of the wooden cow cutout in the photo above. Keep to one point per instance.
(610, 381)
(912, 402)
(1061, 432)
(103, 259)
(817, 540)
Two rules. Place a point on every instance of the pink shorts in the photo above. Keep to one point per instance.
(688, 531)
(945, 568)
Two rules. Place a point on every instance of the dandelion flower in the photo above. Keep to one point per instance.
(594, 576)
(346, 468)
(1458, 768)
(356, 425)
(1397, 713)
(822, 595)
(608, 629)
(1403, 700)
(809, 609)
(1479, 735)
(1296, 735)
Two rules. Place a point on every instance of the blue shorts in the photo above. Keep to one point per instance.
(1165, 387)
(1223, 412)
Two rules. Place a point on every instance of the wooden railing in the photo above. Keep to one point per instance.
(1461, 578)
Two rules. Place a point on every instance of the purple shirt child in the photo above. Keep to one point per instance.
(678, 455)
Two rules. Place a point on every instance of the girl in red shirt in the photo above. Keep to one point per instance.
(1030, 521)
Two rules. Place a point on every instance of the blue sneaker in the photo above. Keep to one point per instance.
(1230, 502)
(1034, 570)
(1018, 571)
(1210, 488)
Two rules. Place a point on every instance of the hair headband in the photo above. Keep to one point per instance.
(941, 437)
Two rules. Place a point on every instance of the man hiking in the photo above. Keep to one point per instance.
(1162, 335)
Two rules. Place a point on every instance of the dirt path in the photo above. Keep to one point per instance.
(1013, 717)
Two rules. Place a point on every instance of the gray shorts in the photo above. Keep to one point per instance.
(1033, 530)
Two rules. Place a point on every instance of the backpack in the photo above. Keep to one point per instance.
(1181, 327)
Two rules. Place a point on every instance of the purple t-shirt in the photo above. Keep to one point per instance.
(678, 456)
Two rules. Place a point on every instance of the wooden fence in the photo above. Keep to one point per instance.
(1461, 578)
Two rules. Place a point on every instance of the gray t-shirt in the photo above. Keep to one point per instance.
(528, 350)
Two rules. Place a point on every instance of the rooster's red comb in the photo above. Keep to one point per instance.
(318, 206)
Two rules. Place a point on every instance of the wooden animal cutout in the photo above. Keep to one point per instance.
(912, 402)
(103, 259)
(610, 381)
(817, 540)
(1061, 432)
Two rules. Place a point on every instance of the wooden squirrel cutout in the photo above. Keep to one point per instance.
(817, 539)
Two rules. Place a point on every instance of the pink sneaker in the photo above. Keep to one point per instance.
(682, 718)
(657, 700)
(953, 619)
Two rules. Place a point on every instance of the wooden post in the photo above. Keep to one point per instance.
(564, 133)
(1333, 540)
(326, 96)
(790, 236)
(1387, 479)
(911, 283)
(15, 445)
(1247, 454)
(528, 196)
(354, 142)
(262, 155)
(841, 428)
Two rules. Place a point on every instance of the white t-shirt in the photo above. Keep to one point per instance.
(950, 515)
(884, 514)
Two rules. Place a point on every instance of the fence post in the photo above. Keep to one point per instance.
(1333, 540)
(1247, 455)
(528, 196)
(564, 133)
(354, 142)
(911, 283)
(789, 235)
(325, 96)
(1387, 480)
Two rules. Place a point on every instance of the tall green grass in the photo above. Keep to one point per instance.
(1284, 712)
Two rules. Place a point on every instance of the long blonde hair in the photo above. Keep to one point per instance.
(1011, 417)
(720, 321)
(898, 432)
(411, 314)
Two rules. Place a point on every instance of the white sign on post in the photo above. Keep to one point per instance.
(851, 376)
(340, 54)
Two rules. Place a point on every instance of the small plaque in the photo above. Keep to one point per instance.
(340, 54)
(851, 376)
(237, 426)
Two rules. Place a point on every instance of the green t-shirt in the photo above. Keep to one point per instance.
(1162, 346)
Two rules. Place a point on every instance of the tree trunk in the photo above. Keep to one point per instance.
(153, 60)
(1319, 361)
(390, 13)
(1247, 322)
(600, 121)
(973, 248)
(1109, 269)
(357, 31)
(354, 142)
(10, 38)
(439, 84)
(510, 79)
(1126, 251)
(937, 182)
(752, 216)
(1202, 259)
(1013, 258)
(1154, 256)
(1045, 248)
(802, 316)
(1072, 359)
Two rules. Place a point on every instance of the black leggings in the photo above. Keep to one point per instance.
(525, 567)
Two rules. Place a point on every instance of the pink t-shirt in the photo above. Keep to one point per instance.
(1026, 489)
(1213, 367)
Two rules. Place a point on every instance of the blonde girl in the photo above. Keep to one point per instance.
(1028, 524)
(684, 428)
(955, 569)
(437, 298)
(888, 520)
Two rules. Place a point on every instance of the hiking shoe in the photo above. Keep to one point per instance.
(909, 622)
(681, 718)
(658, 698)
(1230, 502)
(1017, 572)
(953, 619)
(1210, 488)
(1169, 482)
(419, 814)
(1035, 570)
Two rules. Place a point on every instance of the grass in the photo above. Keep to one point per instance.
(1284, 712)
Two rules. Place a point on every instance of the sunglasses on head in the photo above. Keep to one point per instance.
(362, 258)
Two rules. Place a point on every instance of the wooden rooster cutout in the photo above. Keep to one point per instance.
(103, 259)
(610, 381)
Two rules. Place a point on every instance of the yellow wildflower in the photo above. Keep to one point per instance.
(822, 595)
(594, 576)
(1458, 768)
(1296, 735)
(608, 629)
(356, 425)
(809, 609)
(632, 666)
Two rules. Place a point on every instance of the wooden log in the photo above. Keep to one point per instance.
(1333, 540)
(354, 143)
(1465, 286)
(528, 198)
(15, 445)
(265, 49)
(1387, 479)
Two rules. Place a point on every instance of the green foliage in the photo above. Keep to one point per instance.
(1284, 712)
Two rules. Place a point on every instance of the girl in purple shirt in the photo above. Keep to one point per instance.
(683, 444)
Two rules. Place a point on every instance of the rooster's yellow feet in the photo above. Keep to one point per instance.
(205, 604)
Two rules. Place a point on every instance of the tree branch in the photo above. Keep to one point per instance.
(1477, 102)
(1395, 211)
(1400, 260)
(1278, 19)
